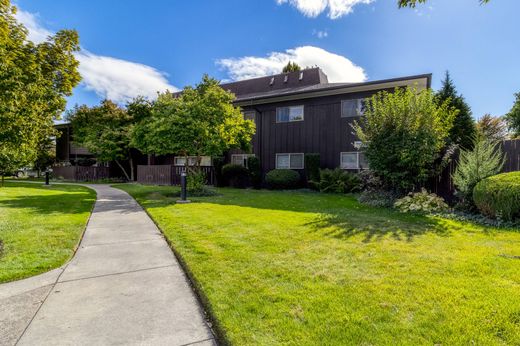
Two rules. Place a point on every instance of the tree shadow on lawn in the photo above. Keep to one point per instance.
(341, 216)
(72, 201)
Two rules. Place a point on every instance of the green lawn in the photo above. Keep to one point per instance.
(299, 268)
(40, 226)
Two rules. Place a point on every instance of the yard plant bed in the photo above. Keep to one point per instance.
(305, 268)
(40, 226)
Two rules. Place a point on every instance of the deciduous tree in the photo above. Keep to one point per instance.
(199, 121)
(413, 3)
(34, 81)
(404, 133)
(513, 117)
(492, 128)
(291, 67)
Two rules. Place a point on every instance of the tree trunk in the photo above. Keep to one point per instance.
(149, 159)
(124, 171)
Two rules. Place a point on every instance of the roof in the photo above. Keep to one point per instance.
(326, 89)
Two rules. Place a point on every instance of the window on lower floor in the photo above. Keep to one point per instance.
(192, 160)
(352, 108)
(249, 115)
(240, 159)
(353, 160)
(289, 161)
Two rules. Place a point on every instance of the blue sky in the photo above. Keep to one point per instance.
(134, 47)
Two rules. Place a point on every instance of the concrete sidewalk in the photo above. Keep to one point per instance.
(124, 286)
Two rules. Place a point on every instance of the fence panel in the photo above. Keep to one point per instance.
(81, 173)
(443, 183)
(155, 175)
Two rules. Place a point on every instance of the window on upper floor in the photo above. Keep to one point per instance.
(249, 115)
(289, 161)
(289, 114)
(352, 108)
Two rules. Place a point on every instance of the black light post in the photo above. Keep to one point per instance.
(47, 177)
(184, 192)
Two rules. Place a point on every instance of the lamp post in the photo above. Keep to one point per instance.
(184, 192)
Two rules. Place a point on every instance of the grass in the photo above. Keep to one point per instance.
(300, 268)
(40, 226)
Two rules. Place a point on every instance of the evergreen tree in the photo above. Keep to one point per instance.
(463, 130)
(291, 67)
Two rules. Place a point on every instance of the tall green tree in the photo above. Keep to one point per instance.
(291, 67)
(513, 117)
(106, 130)
(404, 133)
(34, 81)
(200, 121)
(463, 129)
(413, 3)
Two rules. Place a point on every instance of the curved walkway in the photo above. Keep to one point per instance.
(123, 286)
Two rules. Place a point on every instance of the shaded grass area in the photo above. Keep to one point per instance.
(300, 268)
(40, 226)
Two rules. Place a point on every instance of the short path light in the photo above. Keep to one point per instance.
(47, 176)
(183, 199)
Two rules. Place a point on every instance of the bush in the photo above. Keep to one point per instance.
(421, 202)
(312, 167)
(255, 171)
(281, 179)
(484, 160)
(499, 196)
(338, 181)
(235, 175)
(196, 182)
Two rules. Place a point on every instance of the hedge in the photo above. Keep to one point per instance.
(499, 196)
(282, 179)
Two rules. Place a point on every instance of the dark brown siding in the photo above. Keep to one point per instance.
(322, 131)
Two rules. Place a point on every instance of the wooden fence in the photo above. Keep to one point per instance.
(81, 173)
(443, 184)
(168, 174)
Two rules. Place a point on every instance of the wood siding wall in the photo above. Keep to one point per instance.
(322, 131)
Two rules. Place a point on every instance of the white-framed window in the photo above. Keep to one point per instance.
(290, 161)
(192, 160)
(240, 159)
(249, 115)
(353, 160)
(352, 108)
(289, 114)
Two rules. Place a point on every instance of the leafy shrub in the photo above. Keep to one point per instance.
(235, 175)
(196, 182)
(282, 179)
(404, 133)
(218, 163)
(421, 202)
(484, 160)
(378, 198)
(255, 171)
(312, 167)
(499, 196)
(370, 181)
(338, 181)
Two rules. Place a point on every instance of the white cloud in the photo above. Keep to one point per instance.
(320, 33)
(115, 79)
(37, 33)
(313, 8)
(338, 68)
